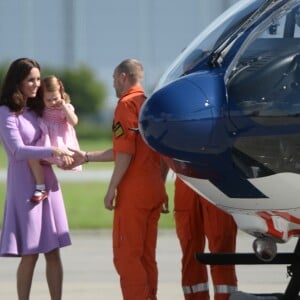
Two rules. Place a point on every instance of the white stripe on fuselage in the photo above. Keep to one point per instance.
(282, 191)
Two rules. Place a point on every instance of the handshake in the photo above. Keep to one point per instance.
(73, 158)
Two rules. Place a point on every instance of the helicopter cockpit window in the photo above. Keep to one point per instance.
(274, 30)
(264, 94)
(209, 39)
(265, 84)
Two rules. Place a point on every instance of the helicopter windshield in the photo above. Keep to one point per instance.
(272, 58)
(209, 39)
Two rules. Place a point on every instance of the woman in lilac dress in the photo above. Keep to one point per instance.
(29, 229)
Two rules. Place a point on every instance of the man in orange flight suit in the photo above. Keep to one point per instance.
(140, 190)
(136, 191)
(197, 219)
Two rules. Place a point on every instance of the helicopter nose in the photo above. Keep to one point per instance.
(179, 119)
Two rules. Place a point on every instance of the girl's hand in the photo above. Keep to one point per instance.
(67, 161)
(59, 104)
(64, 155)
(59, 152)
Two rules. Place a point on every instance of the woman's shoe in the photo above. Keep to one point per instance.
(39, 195)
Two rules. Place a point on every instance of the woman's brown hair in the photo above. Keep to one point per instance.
(10, 94)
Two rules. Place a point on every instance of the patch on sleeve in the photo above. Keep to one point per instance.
(118, 130)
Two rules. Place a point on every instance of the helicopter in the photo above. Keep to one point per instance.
(225, 117)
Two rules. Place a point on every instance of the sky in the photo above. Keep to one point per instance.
(100, 34)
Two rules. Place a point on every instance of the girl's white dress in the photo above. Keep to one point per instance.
(56, 131)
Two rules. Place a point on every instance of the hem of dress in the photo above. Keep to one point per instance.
(10, 254)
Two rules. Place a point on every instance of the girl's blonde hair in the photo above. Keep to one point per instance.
(53, 84)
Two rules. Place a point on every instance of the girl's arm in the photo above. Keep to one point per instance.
(72, 118)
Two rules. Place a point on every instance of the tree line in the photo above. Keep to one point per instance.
(86, 91)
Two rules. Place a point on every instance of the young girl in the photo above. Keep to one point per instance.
(57, 125)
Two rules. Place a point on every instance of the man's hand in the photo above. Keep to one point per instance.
(109, 200)
(165, 206)
(78, 157)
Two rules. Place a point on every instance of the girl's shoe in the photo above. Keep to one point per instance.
(39, 195)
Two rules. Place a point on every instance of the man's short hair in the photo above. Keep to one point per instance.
(133, 68)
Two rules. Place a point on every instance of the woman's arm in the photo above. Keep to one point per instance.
(11, 138)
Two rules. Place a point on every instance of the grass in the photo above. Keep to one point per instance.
(88, 212)
(85, 209)
(84, 201)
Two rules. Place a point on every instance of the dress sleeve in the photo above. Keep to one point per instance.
(71, 107)
(13, 142)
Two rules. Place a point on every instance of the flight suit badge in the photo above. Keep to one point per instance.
(118, 130)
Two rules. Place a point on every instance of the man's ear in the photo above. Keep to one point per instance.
(123, 75)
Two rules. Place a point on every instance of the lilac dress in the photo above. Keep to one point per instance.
(29, 228)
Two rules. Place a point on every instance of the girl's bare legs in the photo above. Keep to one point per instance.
(25, 274)
(54, 273)
(37, 170)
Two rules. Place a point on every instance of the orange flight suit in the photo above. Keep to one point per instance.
(197, 219)
(139, 199)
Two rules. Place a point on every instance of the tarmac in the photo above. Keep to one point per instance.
(89, 273)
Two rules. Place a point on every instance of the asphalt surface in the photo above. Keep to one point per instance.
(89, 273)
